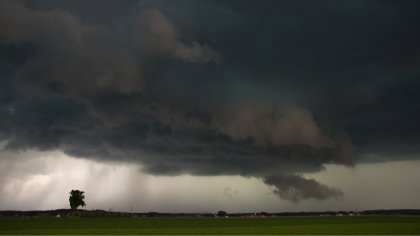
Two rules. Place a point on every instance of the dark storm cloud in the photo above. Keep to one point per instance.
(270, 89)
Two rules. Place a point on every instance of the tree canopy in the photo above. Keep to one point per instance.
(76, 199)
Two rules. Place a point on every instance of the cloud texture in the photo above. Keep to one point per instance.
(269, 90)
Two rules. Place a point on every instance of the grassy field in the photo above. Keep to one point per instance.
(165, 226)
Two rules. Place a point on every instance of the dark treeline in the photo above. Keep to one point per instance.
(96, 213)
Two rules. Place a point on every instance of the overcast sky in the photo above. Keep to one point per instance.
(199, 105)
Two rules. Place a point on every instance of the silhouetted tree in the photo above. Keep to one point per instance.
(76, 199)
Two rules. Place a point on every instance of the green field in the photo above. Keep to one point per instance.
(200, 225)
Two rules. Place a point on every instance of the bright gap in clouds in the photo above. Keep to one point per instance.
(42, 180)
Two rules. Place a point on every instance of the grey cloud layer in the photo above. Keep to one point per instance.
(80, 60)
(271, 90)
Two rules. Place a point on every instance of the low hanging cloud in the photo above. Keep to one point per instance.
(296, 188)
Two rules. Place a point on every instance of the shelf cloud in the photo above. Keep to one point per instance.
(271, 90)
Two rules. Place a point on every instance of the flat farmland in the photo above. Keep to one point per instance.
(367, 225)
